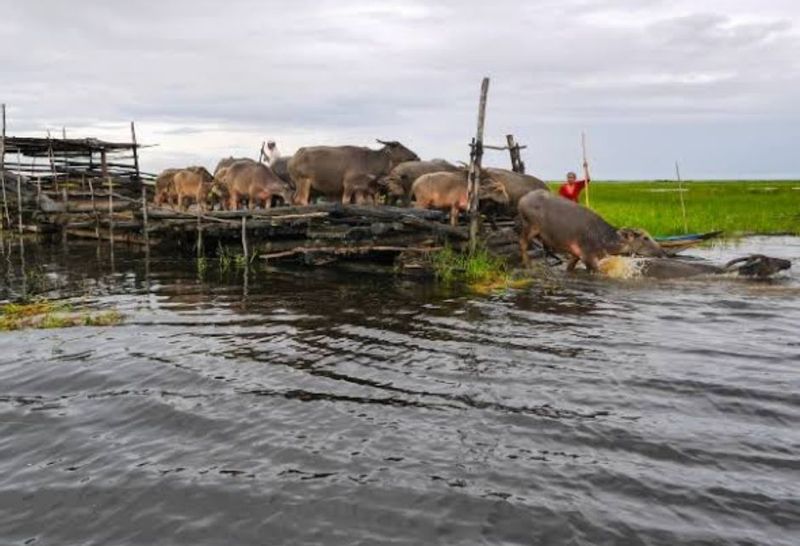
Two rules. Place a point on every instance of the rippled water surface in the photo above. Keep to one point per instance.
(323, 407)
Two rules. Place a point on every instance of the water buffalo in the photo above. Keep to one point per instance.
(196, 183)
(448, 190)
(343, 172)
(567, 227)
(755, 265)
(398, 182)
(165, 189)
(516, 184)
(280, 166)
(254, 181)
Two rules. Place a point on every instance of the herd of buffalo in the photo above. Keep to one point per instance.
(394, 174)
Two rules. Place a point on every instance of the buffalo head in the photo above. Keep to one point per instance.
(637, 242)
(758, 265)
(490, 189)
(397, 152)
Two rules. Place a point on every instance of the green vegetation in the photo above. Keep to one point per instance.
(481, 272)
(230, 261)
(47, 314)
(736, 207)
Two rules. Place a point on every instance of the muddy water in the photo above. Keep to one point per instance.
(316, 407)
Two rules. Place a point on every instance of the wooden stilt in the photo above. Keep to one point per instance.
(244, 240)
(94, 211)
(144, 216)
(19, 195)
(476, 156)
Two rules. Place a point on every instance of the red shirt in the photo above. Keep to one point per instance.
(572, 191)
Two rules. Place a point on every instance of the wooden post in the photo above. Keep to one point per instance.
(199, 234)
(585, 167)
(104, 170)
(65, 198)
(3, 171)
(144, 216)
(244, 239)
(680, 192)
(19, 202)
(261, 154)
(94, 211)
(514, 151)
(474, 177)
(135, 153)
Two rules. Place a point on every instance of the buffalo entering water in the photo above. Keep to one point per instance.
(322, 407)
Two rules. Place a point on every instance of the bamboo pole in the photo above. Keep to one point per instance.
(475, 168)
(3, 169)
(680, 192)
(585, 167)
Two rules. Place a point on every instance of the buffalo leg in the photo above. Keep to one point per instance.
(573, 261)
(526, 234)
(302, 192)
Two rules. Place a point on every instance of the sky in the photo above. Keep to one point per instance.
(714, 85)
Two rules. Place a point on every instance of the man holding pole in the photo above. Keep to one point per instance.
(572, 188)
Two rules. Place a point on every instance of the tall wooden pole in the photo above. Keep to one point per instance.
(585, 167)
(19, 194)
(474, 176)
(3, 170)
(680, 192)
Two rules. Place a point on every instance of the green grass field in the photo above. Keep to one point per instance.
(736, 207)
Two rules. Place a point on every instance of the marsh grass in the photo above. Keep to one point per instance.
(481, 272)
(229, 261)
(47, 314)
(736, 207)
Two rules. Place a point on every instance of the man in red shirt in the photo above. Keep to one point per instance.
(573, 188)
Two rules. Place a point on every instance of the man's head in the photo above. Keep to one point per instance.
(270, 144)
(571, 177)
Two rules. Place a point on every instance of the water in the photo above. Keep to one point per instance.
(321, 407)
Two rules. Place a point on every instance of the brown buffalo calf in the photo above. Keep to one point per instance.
(448, 191)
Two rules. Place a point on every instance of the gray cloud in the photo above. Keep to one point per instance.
(224, 76)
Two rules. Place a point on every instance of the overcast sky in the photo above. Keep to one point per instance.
(713, 84)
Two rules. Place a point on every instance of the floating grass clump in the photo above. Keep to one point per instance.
(735, 207)
(480, 271)
(47, 314)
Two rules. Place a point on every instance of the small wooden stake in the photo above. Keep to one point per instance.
(144, 214)
(244, 239)
(475, 169)
(94, 211)
(104, 170)
(516, 159)
(680, 192)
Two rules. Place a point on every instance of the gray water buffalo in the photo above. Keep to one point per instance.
(254, 181)
(516, 184)
(566, 227)
(754, 266)
(280, 166)
(448, 190)
(344, 172)
(227, 162)
(397, 184)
